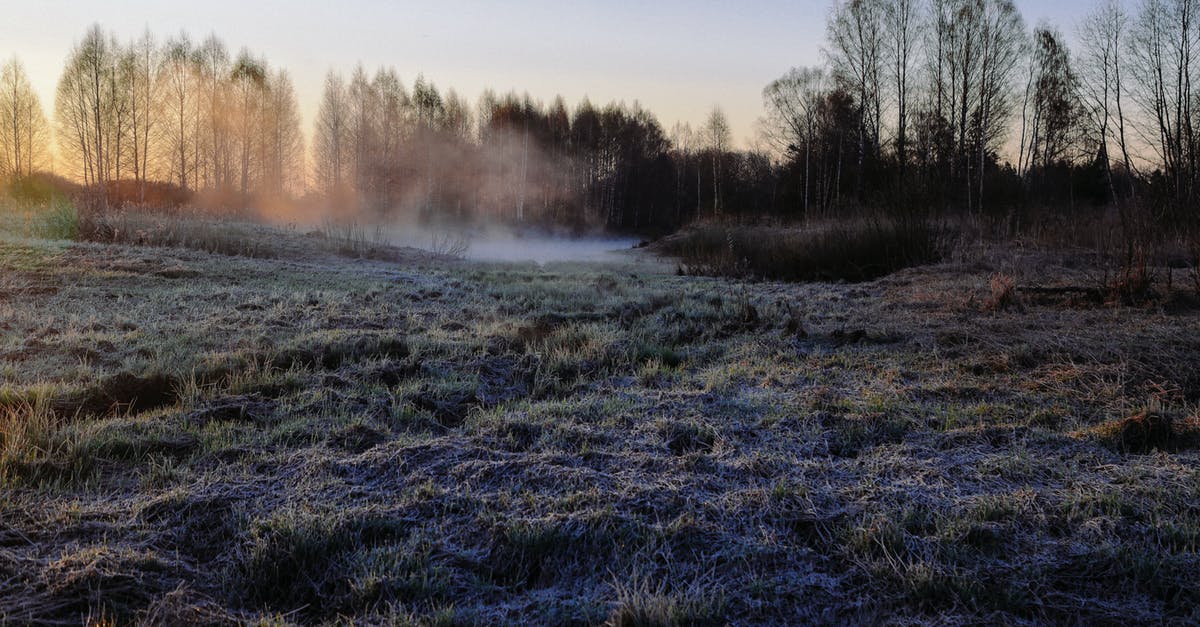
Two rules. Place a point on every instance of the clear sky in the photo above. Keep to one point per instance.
(678, 58)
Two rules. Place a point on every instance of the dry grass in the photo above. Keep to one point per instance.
(1003, 293)
(199, 438)
(29, 432)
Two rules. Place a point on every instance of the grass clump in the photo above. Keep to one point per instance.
(28, 434)
(640, 605)
(684, 436)
(849, 251)
(1148, 431)
(320, 565)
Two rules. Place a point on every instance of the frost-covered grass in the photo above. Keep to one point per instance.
(190, 437)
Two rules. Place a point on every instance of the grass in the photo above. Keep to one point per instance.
(53, 219)
(190, 436)
(851, 251)
(29, 433)
(58, 218)
(639, 605)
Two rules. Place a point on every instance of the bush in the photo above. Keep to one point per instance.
(1003, 292)
(61, 221)
(850, 251)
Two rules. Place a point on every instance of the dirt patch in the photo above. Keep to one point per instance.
(177, 272)
(123, 392)
(252, 409)
(198, 526)
(357, 438)
(331, 355)
(449, 409)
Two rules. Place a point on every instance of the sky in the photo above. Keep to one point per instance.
(678, 58)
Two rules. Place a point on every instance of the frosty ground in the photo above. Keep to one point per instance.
(306, 438)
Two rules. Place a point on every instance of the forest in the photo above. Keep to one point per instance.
(922, 107)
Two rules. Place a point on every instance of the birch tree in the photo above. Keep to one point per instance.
(24, 133)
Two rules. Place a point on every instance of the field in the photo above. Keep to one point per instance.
(192, 437)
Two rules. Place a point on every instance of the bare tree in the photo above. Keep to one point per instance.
(1162, 45)
(717, 138)
(430, 110)
(283, 161)
(973, 51)
(215, 157)
(363, 110)
(23, 129)
(393, 131)
(1102, 36)
(139, 68)
(792, 104)
(901, 26)
(856, 40)
(683, 139)
(248, 96)
(331, 137)
(176, 80)
(1054, 98)
(84, 109)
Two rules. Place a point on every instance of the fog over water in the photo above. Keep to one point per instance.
(498, 244)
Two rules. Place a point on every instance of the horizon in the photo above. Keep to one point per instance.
(471, 46)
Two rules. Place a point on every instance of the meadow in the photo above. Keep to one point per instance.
(239, 424)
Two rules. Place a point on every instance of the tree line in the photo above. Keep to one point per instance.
(957, 105)
(180, 112)
(919, 106)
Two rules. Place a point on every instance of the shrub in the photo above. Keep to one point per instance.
(850, 251)
(61, 221)
(1003, 292)
(140, 228)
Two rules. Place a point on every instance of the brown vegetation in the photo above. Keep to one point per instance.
(852, 251)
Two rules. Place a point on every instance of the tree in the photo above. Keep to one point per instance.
(23, 128)
(139, 69)
(718, 138)
(856, 39)
(283, 164)
(214, 161)
(1102, 35)
(248, 96)
(393, 131)
(429, 117)
(792, 103)
(900, 34)
(1162, 44)
(331, 137)
(683, 140)
(84, 109)
(973, 50)
(177, 81)
(363, 111)
(1053, 92)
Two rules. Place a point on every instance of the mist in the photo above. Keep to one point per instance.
(505, 244)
